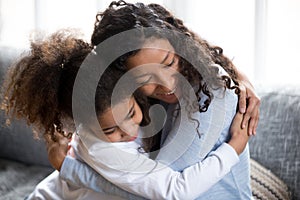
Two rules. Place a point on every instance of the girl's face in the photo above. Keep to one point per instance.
(157, 74)
(121, 122)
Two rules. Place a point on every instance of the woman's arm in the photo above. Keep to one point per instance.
(160, 181)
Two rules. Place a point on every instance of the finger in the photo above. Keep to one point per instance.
(251, 126)
(247, 115)
(237, 120)
(242, 99)
(47, 138)
(251, 112)
(256, 122)
(253, 121)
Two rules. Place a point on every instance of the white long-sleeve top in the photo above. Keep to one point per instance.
(124, 166)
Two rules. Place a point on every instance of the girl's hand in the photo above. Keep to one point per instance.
(57, 150)
(249, 104)
(239, 135)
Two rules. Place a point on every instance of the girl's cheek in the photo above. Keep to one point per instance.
(113, 138)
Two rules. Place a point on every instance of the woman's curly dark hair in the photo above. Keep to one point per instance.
(203, 74)
(121, 16)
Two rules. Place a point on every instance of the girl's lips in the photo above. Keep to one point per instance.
(132, 139)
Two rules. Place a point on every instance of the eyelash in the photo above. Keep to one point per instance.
(169, 65)
(133, 113)
(108, 133)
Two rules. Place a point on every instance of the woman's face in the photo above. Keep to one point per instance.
(155, 68)
(121, 122)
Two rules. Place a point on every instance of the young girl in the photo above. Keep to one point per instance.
(39, 89)
(159, 37)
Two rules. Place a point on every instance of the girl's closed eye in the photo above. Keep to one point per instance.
(110, 131)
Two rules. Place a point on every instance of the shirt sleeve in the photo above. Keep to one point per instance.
(151, 179)
(80, 174)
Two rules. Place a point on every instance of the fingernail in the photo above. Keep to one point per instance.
(243, 126)
(243, 110)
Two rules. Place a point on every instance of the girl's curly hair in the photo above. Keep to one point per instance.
(38, 87)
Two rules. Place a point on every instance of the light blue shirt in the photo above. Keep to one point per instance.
(183, 147)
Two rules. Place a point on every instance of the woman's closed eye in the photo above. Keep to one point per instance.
(131, 115)
(171, 63)
(131, 112)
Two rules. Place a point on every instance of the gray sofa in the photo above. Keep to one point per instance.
(277, 144)
(23, 160)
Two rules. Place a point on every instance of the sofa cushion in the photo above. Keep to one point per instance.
(266, 185)
(18, 180)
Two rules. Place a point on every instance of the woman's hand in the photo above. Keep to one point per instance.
(249, 104)
(57, 150)
(239, 135)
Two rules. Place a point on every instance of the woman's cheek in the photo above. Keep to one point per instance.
(148, 89)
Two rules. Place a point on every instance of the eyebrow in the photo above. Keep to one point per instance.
(105, 129)
(165, 58)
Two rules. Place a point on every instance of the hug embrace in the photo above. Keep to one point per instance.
(147, 110)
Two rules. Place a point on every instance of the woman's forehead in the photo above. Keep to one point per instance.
(151, 52)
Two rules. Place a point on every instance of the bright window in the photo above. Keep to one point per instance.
(261, 36)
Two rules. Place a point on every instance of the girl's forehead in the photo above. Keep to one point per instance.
(123, 105)
(119, 108)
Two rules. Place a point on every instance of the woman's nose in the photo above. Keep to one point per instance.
(166, 80)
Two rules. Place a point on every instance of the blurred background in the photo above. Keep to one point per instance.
(260, 36)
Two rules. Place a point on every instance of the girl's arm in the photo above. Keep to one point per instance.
(154, 180)
(158, 183)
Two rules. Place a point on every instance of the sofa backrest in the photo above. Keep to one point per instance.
(16, 141)
(276, 145)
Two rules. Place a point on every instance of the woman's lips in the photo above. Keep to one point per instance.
(168, 93)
